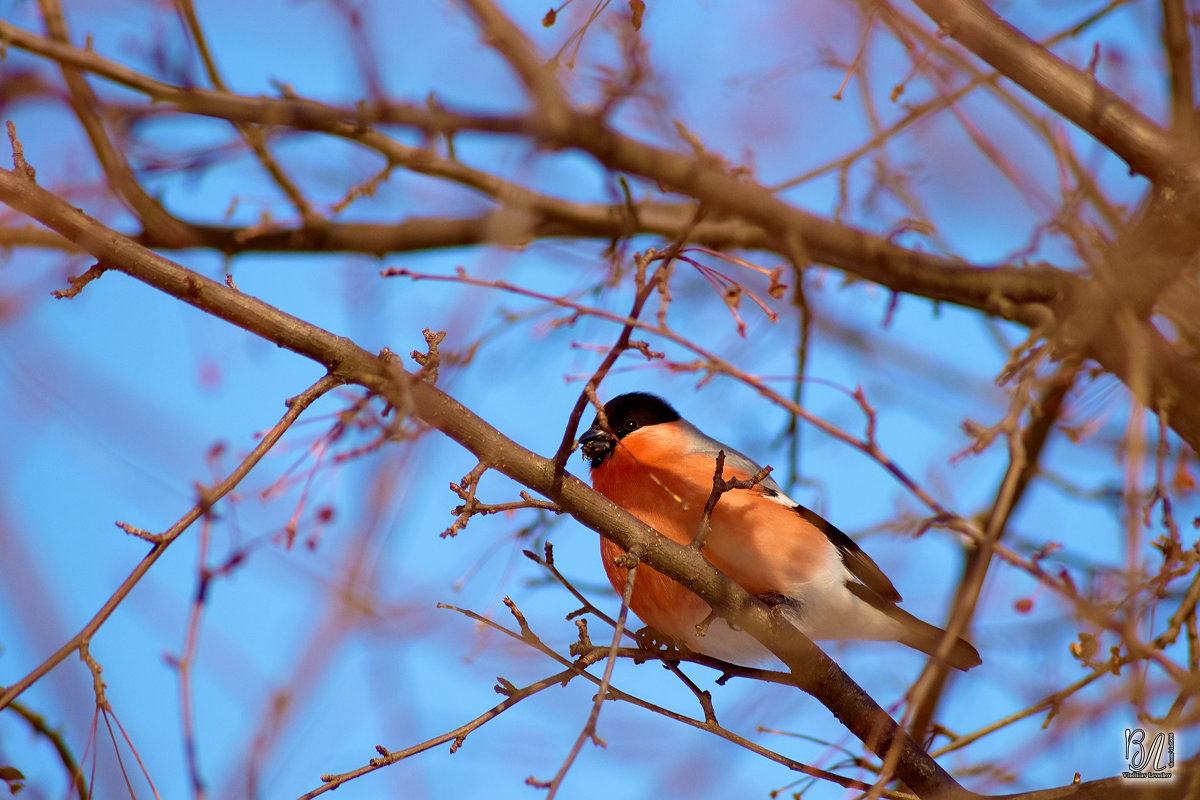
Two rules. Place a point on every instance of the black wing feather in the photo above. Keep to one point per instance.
(859, 563)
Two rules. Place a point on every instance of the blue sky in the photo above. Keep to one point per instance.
(113, 400)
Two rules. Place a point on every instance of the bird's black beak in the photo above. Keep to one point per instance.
(596, 444)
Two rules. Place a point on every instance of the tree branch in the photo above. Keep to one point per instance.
(1145, 146)
(209, 496)
(813, 671)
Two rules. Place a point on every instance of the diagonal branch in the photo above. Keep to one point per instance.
(1025, 458)
(1149, 149)
(1177, 45)
(86, 105)
(813, 671)
(749, 216)
(536, 73)
(253, 135)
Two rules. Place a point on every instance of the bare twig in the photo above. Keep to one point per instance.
(78, 282)
(589, 728)
(38, 723)
(79, 641)
(720, 487)
(20, 165)
(457, 736)
(430, 360)
(471, 506)
(87, 109)
(1096, 109)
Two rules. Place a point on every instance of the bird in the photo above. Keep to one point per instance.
(649, 460)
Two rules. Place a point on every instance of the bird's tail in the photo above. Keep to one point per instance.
(932, 640)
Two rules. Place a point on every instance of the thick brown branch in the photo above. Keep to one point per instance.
(1177, 45)
(535, 72)
(1145, 146)
(755, 217)
(814, 672)
(289, 112)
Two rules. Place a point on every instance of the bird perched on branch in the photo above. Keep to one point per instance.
(659, 467)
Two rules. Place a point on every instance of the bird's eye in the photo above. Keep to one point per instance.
(631, 425)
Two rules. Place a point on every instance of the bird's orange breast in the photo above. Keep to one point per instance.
(758, 542)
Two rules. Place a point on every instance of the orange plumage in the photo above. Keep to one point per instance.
(660, 468)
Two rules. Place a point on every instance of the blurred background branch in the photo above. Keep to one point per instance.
(980, 280)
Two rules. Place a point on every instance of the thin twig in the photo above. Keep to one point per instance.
(456, 737)
(187, 660)
(296, 406)
(720, 487)
(589, 728)
(252, 134)
(56, 739)
(527, 636)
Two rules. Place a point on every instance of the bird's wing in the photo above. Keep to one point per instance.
(857, 562)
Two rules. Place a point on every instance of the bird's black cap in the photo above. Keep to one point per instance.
(628, 412)
(625, 413)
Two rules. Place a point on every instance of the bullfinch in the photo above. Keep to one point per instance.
(659, 467)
